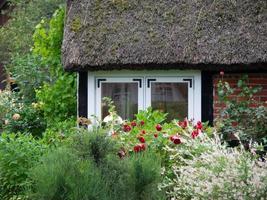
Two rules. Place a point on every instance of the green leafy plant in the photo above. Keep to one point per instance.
(48, 38)
(89, 168)
(17, 116)
(58, 100)
(61, 175)
(134, 177)
(16, 35)
(241, 117)
(18, 153)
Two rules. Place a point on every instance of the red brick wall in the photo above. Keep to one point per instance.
(256, 79)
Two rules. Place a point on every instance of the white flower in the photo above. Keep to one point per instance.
(113, 118)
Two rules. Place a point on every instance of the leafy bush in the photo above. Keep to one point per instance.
(48, 38)
(58, 100)
(240, 117)
(16, 35)
(61, 175)
(18, 153)
(135, 177)
(17, 116)
(217, 173)
(89, 168)
(148, 131)
(95, 146)
(29, 74)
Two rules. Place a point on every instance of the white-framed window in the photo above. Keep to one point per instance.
(175, 92)
(126, 93)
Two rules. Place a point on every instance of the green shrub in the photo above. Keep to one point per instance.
(240, 117)
(134, 178)
(29, 74)
(18, 153)
(95, 146)
(58, 100)
(62, 175)
(17, 116)
(16, 35)
(30, 121)
(89, 168)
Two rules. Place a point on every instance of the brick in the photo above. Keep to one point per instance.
(255, 79)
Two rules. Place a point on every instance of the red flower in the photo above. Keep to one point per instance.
(142, 139)
(126, 128)
(143, 132)
(199, 125)
(133, 124)
(139, 147)
(143, 146)
(142, 123)
(155, 135)
(175, 139)
(195, 133)
(183, 124)
(158, 127)
(234, 124)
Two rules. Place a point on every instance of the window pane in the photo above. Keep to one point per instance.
(125, 97)
(171, 98)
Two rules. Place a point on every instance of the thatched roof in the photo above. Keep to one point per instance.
(110, 34)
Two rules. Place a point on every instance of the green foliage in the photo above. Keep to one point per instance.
(18, 153)
(88, 168)
(61, 175)
(240, 116)
(17, 116)
(29, 74)
(150, 116)
(58, 99)
(47, 40)
(16, 35)
(94, 146)
(134, 178)
(30, 121)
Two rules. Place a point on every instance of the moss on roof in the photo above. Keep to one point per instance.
(140, 32)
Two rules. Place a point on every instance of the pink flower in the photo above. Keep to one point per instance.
(126, 128)
(159, 127)
(221, 73)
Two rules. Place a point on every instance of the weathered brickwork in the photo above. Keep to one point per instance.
(254, 79)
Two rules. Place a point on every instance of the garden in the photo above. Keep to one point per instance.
(46, 153)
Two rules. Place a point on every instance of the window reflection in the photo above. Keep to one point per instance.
(125, 97)
(171, 98)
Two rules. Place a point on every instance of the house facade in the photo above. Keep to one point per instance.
(164, 54)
